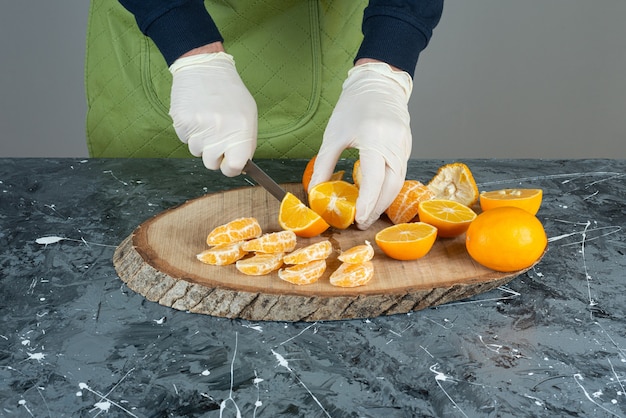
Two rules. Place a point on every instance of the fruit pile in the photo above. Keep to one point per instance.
(506, 236)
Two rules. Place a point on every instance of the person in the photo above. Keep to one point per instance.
(215, 113)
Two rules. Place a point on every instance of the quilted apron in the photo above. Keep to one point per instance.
(293, 55)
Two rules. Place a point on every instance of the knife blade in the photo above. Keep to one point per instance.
(261, 177)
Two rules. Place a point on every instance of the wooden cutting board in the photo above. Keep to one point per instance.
(158, 260)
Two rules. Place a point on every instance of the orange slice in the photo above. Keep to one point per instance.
(506, 239)
(449, 217)
(222, 255)
(306, 273)
(236, 230)
(260, 264)
(274, 242)
(318, 251)
(335, 201)
(527, 199)
(455, 182)
(404, 207)
(357, 254)
(408, 241)
(356, 173)
(308, 173)
(295, 216)
(352, 275)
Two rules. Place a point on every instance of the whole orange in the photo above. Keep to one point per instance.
(506, 239)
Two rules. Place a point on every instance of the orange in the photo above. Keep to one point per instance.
(357, 254)
(318, 251)
(335, 201)
(408, 241)
(449, 217)
(404, 207)
(455, 182)
(352, 275)
(305, 273)
(274, 242)
(222, 255)
(295, 216)
(308, 173)
(260, 264)
(527, 199)
(356, 173)
(236, 230)
(506, 239)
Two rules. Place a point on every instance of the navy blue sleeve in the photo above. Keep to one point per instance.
(175, 26)
(397, 31)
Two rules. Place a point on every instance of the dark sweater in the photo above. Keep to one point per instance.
(395, 31)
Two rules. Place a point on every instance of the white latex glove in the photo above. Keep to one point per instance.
(213, 111)
(371, 115)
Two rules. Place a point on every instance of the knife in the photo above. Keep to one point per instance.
(258, 175)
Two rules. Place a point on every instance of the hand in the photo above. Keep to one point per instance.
(371, 115)
(213, 111)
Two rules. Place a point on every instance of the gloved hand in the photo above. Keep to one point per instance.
(371, 115)
(213, 111)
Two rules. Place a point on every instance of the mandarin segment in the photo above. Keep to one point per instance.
(408, 241)
(302, 274)
(240, 229)
(295, 216)
(357, 254)
(352, 275)
(527, 199)
(456, 182)
(260, 264)
(335, 201)
(318, 251)
(404, 207)
(449, 217)
(506, 239)
(222, 255)
(273, 242)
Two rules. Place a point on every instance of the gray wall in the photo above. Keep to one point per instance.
(501, 78)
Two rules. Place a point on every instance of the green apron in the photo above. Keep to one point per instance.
(293, 55)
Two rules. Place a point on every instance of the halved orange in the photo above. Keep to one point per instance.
(449, 217)
(506, 239)
(335, 201)
(408, 241)
(455, 182)
(306, 273)
(236, 230)
(222, 255)
(273, 242)
(352, 275)
(357, 254)
(356, 173)
(308, 173)
(295, 216)
(527, 199)
(317, 251)
(404, 207)
(260, 264)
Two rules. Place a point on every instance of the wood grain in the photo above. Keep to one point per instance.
(158, 261)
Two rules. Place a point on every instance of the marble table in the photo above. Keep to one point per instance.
(76, 342)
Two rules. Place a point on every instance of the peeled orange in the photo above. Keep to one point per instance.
(273, 242)
(506, 239)
(352, 274)
(295, 216)
(222, 255)
(404, 207)
(456, 182)
(317, 251)
(260, 264)
(449, 217)
(357, 254)
(234, 231)
(305, 273)
(335, 201)
(408, 241)
(527, 199)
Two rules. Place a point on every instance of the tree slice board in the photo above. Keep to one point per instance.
(158, 260)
